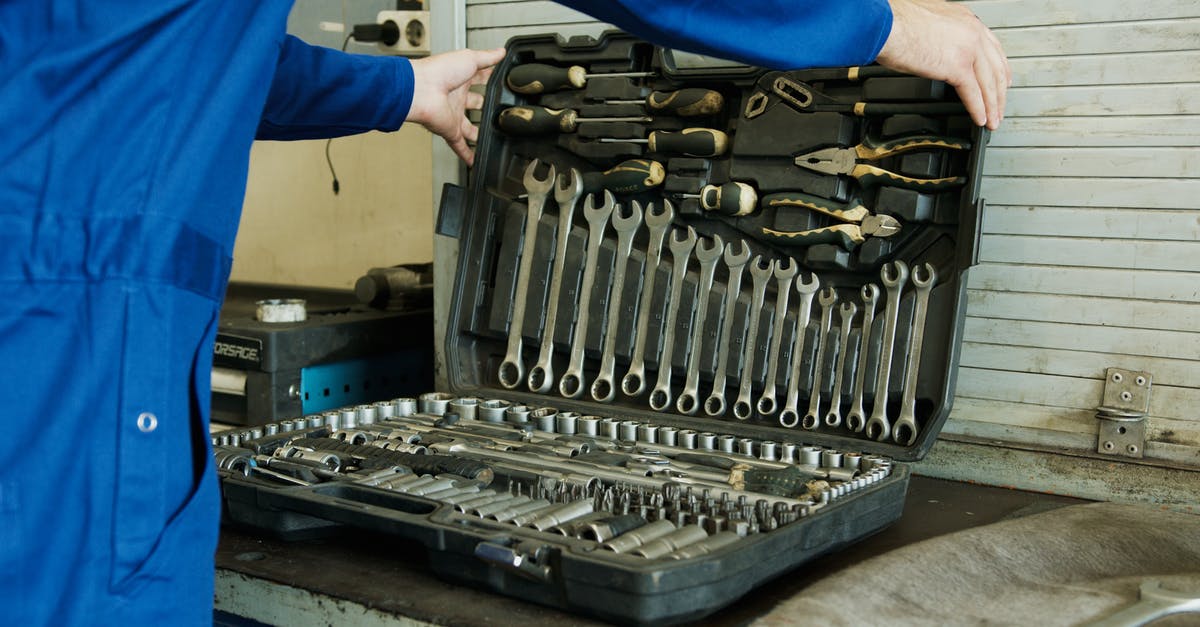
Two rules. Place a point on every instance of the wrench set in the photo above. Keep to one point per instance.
(700, 318)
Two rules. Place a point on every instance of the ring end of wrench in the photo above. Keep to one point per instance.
(904, 434)
(789, 418)
(660, 398)
(742, 410)
(571, 385)
(633, 384)
(766, 405)
(603, 389)
(833, 419)
(714, 406)
(810, 421)
(540, 378)
(510, 374)
(687, 403)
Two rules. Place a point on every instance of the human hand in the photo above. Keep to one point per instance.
(442, 95)
(946, 41)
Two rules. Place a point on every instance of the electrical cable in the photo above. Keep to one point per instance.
(337, 187)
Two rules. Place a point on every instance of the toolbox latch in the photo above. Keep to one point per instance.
(450, 211)
(531, 564)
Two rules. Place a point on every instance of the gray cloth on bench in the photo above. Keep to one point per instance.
(1067, 566)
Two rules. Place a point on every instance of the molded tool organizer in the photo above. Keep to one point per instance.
(782, 255)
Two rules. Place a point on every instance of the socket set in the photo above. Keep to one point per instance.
(701, 318)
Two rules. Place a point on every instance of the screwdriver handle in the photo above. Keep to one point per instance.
(628, 177)
(731, 199)
(847, 236)
(694, 142)
(538, 78)
(686, 102)
(850, 212)
(530, 121)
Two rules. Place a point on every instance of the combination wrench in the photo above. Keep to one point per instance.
(708, 256)
(856, 420)
(827, 299)
(512, 371)
(603, 388)
(833, 418)
(566, 193)
(785, 271)
(681, 251)
(634, 381)
(714, 405)
(894, 275)
(905, 430)
(790, 416)
(571, 384)
(760, 274)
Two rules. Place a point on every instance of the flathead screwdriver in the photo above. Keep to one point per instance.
(542, 121)
(731, 199)
(683, 102)
(694, 142)
(538, 78)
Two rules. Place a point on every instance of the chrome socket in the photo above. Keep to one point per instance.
(637, 537)
(271, 429)
(510, 513)
(769, 451)
(668, 436)
(405, 407)
(647, 433)
(629, 430)
(687, 438)
(517, 414)
(706, 546)
(677, 539)
(483, 511)
(810, 456)
(589, 426)
(566, 513)
(746, 447)
(831, 458)
(434, 403)
(610, 527)
(565, 421)
(385, 410)
(464, 407)
(543, 418)
(609, 428)
(706, 441)
(726, 443)
(852, 461)
(492, 410)
(367, 414)
(348, 418)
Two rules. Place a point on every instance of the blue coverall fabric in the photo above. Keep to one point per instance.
(125, 132)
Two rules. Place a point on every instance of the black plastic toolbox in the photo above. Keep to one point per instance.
(746, 499)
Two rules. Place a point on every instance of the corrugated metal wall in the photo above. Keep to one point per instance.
(1090, 256)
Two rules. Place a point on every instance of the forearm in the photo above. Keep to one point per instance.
(319, 92)
(780, 34)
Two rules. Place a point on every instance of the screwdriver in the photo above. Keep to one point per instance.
(628, 177)
(684, 102)
(526, 121)
(537, 78)
(694, 142)
(731, 199)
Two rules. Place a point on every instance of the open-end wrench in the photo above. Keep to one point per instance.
(566, 194)
(790, 416)
(681, 251)
(827, 299)
(785, 271)
(634, 381)
(571, 384)
(708, 256)
(512, 371)
(894, 275)
(833, 418)
(904, 432)
(760, 275)
(856, 420)
(714, 405)
(603, 388)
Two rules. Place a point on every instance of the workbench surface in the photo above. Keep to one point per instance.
(368, 578)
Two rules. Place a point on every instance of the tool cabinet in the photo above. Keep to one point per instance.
(777, 258)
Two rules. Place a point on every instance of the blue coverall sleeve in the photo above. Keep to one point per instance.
(779, 34)
(320, 92)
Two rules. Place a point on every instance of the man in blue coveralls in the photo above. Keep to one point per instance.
(125, 132)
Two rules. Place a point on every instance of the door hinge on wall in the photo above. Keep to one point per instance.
(1123, 412)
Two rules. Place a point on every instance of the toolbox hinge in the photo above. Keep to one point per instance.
(1122, 414)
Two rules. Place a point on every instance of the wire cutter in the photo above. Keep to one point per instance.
(860, 222)
(849, 161)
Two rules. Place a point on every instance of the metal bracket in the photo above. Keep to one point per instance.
(1123, 413)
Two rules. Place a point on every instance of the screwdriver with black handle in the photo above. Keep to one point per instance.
(731, 199)
(538, 78)
(693, 142)
(628, 177)
(684, 102)
(530, 121)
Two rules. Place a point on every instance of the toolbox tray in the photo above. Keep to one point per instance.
(488, 217)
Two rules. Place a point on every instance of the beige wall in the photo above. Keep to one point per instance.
(295, 231)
